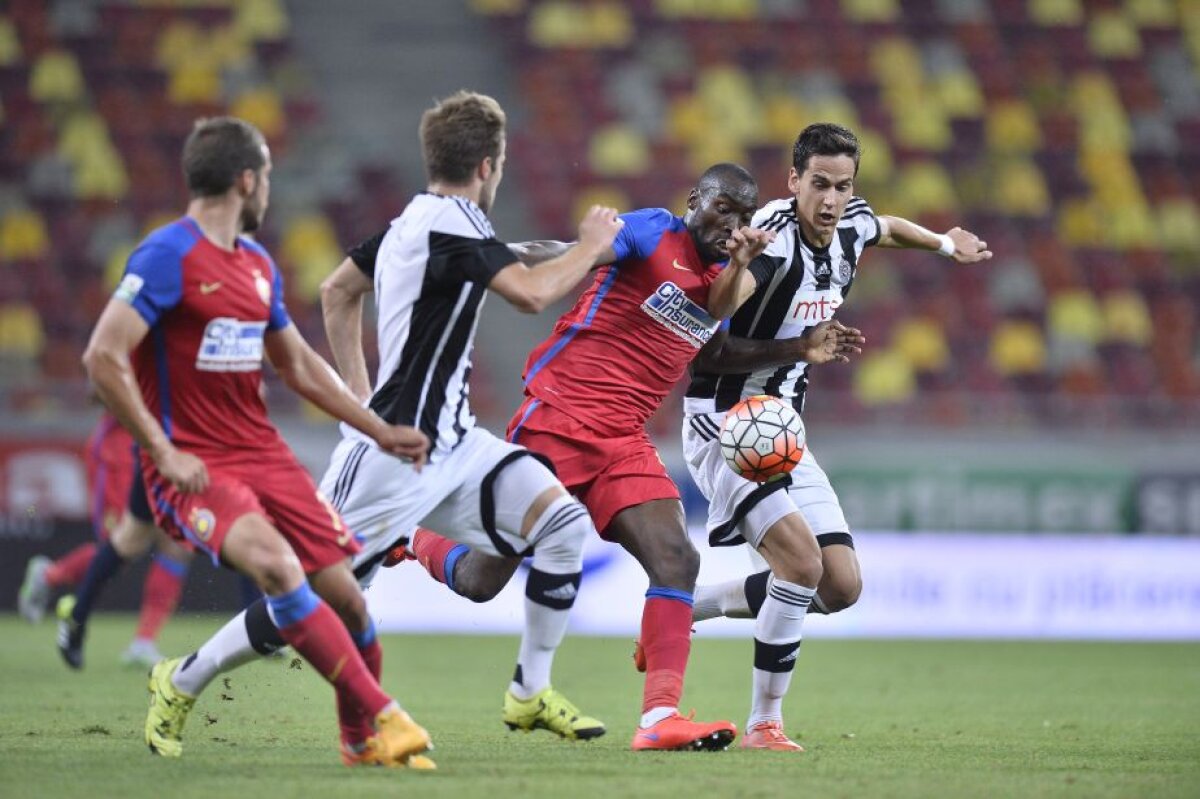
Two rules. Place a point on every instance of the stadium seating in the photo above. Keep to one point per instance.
(1065, 132)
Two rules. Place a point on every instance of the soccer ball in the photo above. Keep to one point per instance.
(762, 437)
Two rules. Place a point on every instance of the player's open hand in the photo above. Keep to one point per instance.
(404, 442)
(746, 244)
(183, 470)
(968, 248)
(599, 226)
(831, 341)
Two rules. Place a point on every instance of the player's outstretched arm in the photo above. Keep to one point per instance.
(531, 290)
(961, 245)
(342, 309)
(735, 284)
(824, 343)
(106, 360)
(307, 373)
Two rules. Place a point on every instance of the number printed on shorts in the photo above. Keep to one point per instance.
(335, 519)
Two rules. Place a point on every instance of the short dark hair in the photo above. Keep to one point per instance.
(218, 150)
(458, 133)
(724, 176)
(824, 138)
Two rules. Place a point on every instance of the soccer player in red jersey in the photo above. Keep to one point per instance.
(124, 530)
(590, 389)
(177, 358)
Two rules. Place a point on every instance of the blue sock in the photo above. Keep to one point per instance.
(451, 561)
(105, 563)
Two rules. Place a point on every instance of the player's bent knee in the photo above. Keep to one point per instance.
(254, 547)
(840, 593)
(559, 534)
(675, 562)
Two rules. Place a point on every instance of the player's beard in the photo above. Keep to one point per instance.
(251, 219)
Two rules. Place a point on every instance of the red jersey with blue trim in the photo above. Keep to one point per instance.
(200, 366)
(612, 360)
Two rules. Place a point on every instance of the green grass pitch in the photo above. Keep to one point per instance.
(879, 718)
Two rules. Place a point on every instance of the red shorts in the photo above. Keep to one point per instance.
(110, 470)
(606, 473)
(273, 484)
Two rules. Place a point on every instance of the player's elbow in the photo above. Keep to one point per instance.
(96, 358)
(528, 302)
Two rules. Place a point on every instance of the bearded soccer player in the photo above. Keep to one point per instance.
(794, 523)
(177, 357)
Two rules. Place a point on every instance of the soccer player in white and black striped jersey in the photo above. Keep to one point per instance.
(796, 524)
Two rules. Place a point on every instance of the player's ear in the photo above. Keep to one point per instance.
(247, 182)
(793, 180)
(693, 200)
(486, 166)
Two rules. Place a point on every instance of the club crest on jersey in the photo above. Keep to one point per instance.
(203, 523)
(231, 345)
(844, 270)
(263, 287)
(670, 307)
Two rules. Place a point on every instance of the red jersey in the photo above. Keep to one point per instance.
(110, 470)
(612, 360)
(200, 366)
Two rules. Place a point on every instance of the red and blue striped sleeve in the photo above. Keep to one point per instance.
(642, 231)
(153, 280)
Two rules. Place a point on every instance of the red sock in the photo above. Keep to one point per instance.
(67, 571)
(160, 595)
(356, 725)
(430, 550)
(322, 638)
(667, 641)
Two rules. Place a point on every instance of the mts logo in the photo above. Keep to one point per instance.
(813, 307)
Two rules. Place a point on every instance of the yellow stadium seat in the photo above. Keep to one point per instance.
(1020, 189)
(1012, 127)
(884, 378)
(101, 175)
(563, 24)
(712, 149)
(783, 117)
(1081, 222)
(310, 245)
(263, 108)
(23, 235)
(871, 10)
(21, 333)
(1111, 34)
(706, 9)
(922, 127)
(1127, 320)
(610, 196)
(1018, 348)
(178, 43)
(196, 80)
(1054, 13)
(959, 94)
(1178, 225)
(927, 188)
(922, 342)
(1075, 315)
(730, 97)
(496, 8)
(1151, 13)
(260, 20)
(114, 265)
(618, 151)
(896, 60)
(10, 44)
(56, 77)
(875, 164)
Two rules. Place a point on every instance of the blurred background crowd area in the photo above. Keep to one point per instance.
(1065, 132)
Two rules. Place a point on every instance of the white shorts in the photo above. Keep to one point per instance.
(383, 499)
(741, 511)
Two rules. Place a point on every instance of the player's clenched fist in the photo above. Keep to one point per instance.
(183, 470)
(747, 243)
(404, 442)
(968, 248)
(600, 225)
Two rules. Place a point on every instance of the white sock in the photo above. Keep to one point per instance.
(544, 630)
(656, 714)
(229, 648)
(721, 599)
(776, 646)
